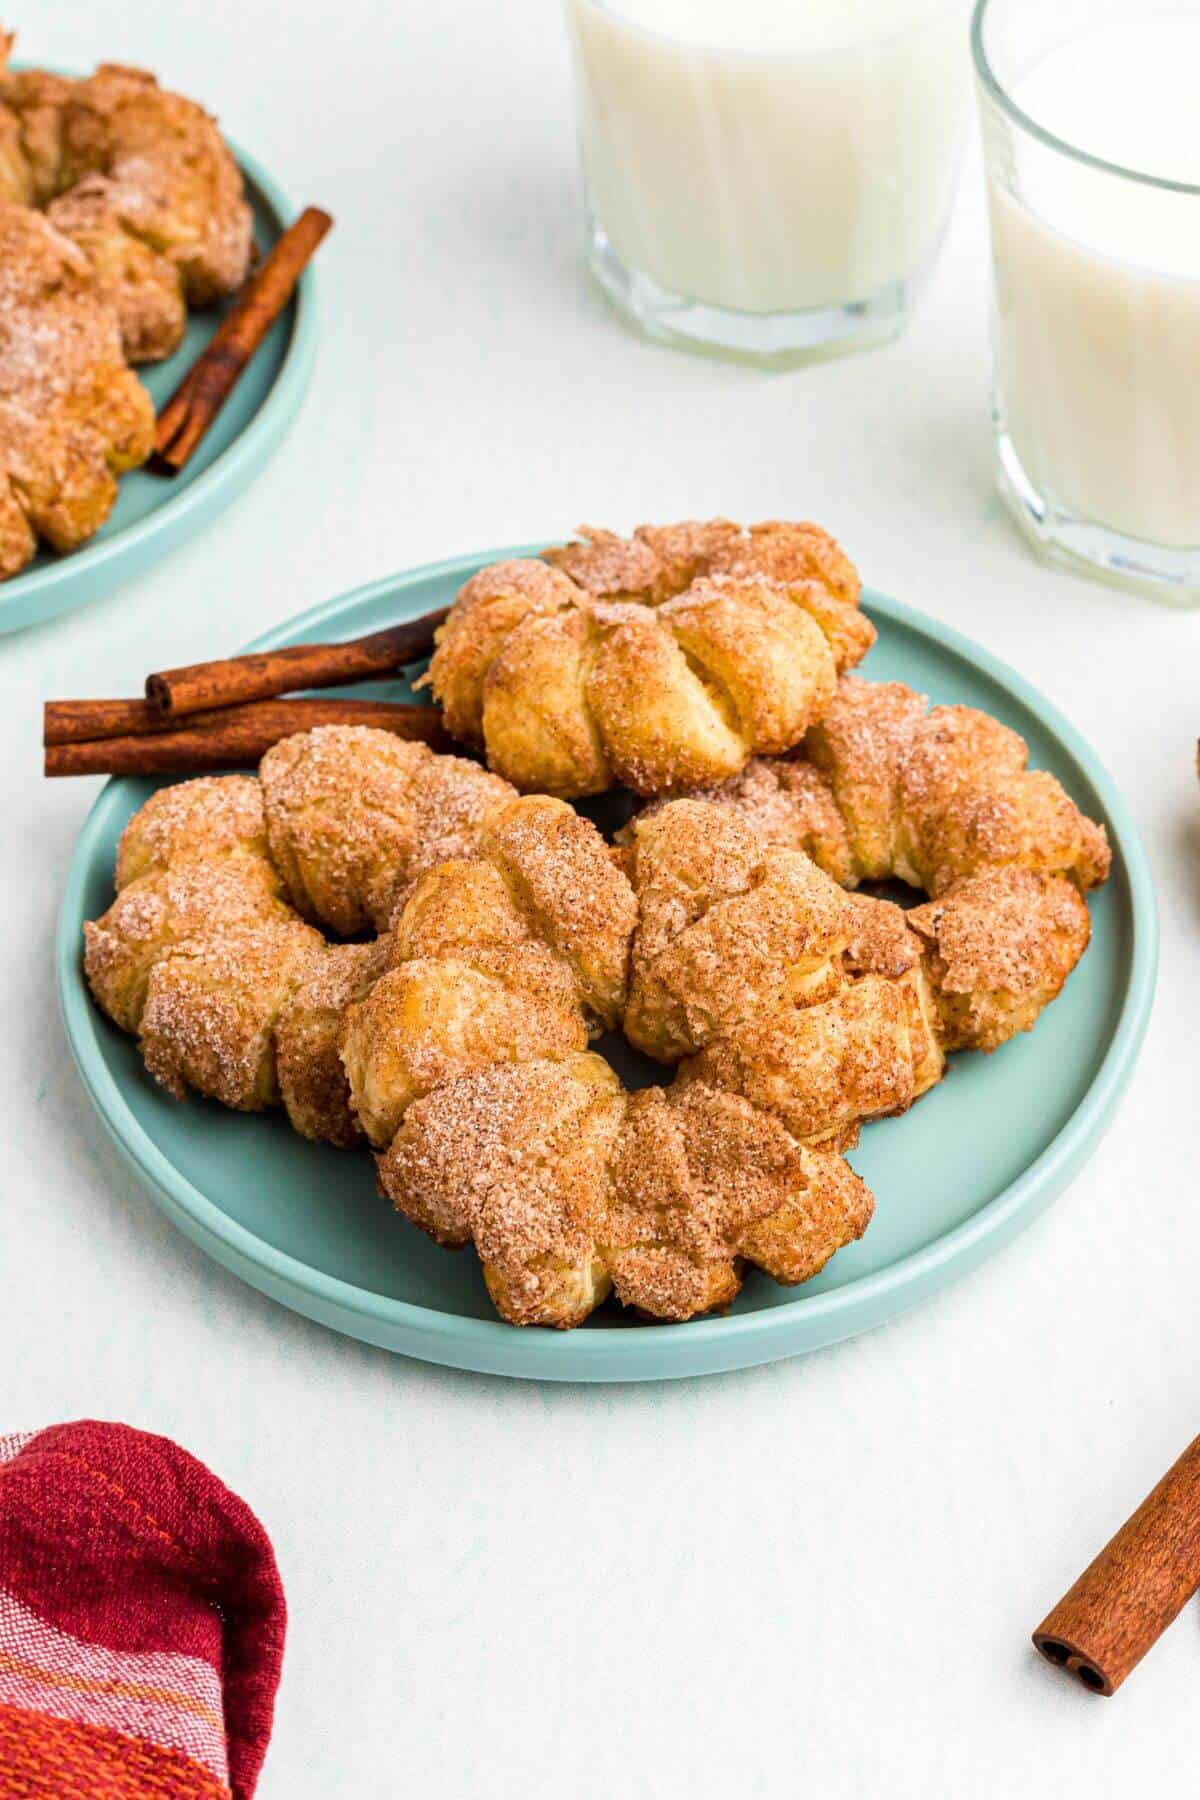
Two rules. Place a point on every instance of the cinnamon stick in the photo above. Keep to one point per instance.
(81, 721)
(235, 737)
(1122, 1604)
(215, 373)
(263, 674)
(86, 721)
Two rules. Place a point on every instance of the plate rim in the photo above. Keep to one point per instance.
(490, 1345)
(36, 597)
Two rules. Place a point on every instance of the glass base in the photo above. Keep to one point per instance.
(1090, 548)
(776, 339)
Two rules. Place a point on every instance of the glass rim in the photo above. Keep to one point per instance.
(998, 92)
(613, 10)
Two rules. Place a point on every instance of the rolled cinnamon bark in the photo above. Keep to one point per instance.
(212, 378)
(1122, 1604)
(234, 738)
(81, 721)
(263, 674)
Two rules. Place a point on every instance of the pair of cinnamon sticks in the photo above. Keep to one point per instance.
(227, 714)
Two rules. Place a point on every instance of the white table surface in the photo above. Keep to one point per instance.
(815, 1577)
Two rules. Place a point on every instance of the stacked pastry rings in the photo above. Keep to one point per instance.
(720, 937)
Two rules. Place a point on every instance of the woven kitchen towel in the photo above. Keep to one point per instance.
(141, 1621)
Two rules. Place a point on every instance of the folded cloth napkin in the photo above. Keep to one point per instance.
(141, 1621)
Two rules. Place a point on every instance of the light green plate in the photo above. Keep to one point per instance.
(954, 1179)
(153, 513)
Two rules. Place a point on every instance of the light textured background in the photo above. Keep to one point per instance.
(814, 1577)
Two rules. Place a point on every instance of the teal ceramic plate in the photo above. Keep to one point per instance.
(153, 514)
(954, 1180)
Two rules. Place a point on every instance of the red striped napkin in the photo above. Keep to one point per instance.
(141, 1621)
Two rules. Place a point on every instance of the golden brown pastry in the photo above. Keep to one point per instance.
(142, 213)
(140, 285)
(204, 820)
(354, 814)
(732, 929)
(456, 1043)
(142, 181)
(998, 947)
(308, 1040)
(725, 933)
(661, 662)
(155, 913)
(941, 799)
(569, 1188)
(886, 787)
(212, 1005)
(508, 959)
(72, 415)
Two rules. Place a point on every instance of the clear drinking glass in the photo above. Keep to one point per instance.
(766, 178)
(1096, 321)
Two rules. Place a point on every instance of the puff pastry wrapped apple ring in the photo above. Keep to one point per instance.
(509, 935)
(661, 662)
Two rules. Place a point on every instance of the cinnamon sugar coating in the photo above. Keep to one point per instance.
(611, 567)
(703, 1183)
(506, 959)
(568, 1188)
(135, 281)
(558, 872)
(354, 814)
(72, 415)
(120, 206)
(514, 1159)
(662, 661)
(212, 1003)
(885, 787)
(815, 571)
(203, 820)
(999, 946)
(144, 182)
(932, 796)
(725, 934)
(795, 1009)
(430, 1020)
(821, 1069)
(154, 914)
(489, 607)
(308, 1040)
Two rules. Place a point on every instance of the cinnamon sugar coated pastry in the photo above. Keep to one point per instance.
(73, 416)
(662, 662)
(722, 937)
(120, 207)
(353, 814)
(143, 180)
(195, 821)
(885, 787)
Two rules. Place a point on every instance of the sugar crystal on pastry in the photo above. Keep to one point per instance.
(724, 936)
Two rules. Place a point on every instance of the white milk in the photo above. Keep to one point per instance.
(772, 155)
(1098, 287)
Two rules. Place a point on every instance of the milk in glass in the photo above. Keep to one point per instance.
(771, 156)
(1098, 284)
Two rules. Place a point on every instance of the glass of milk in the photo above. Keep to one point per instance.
(769, 178)
(1091, 121)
